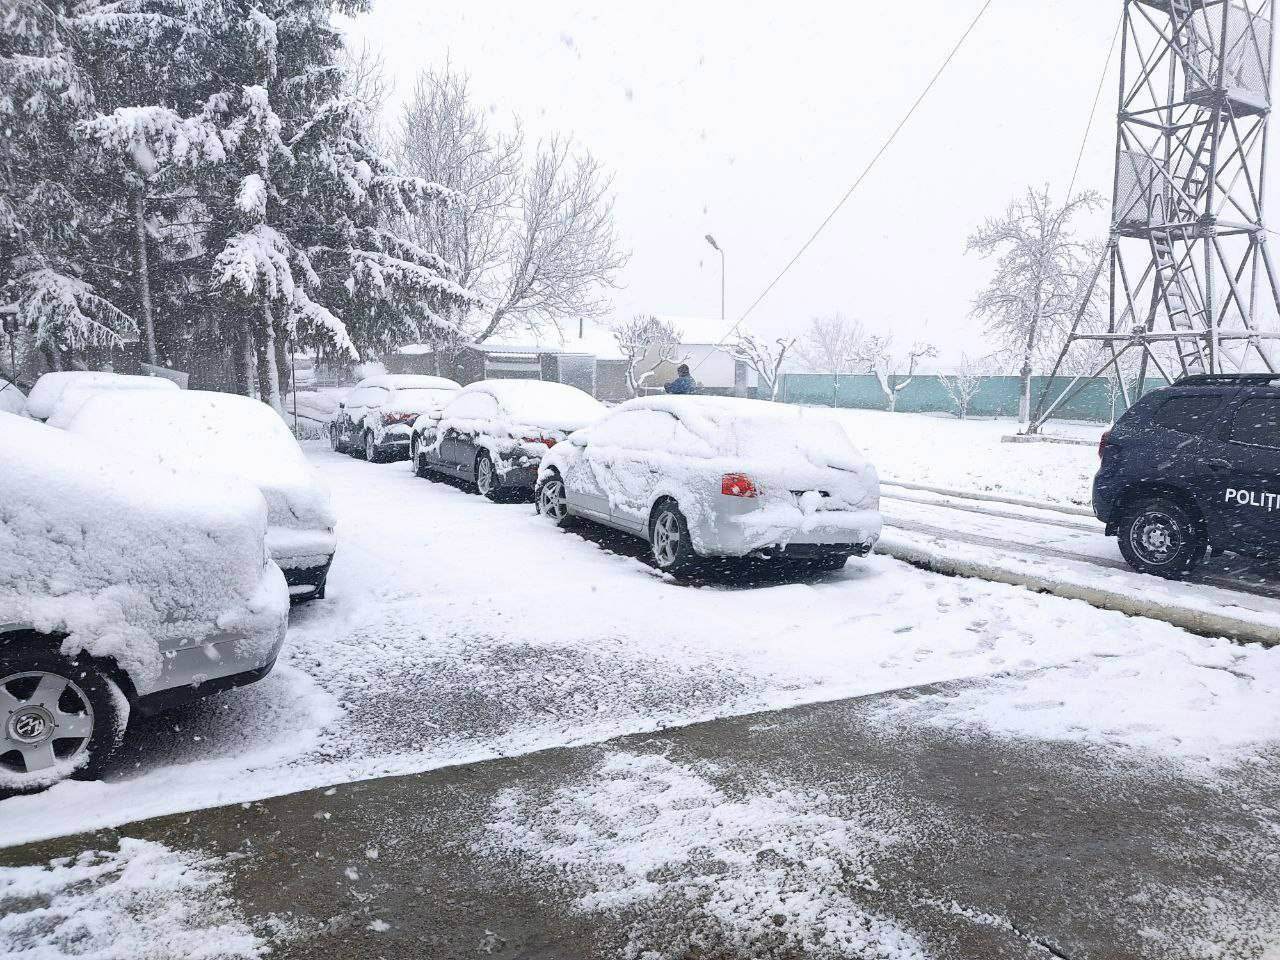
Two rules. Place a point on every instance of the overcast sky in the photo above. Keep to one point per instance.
(748, 121)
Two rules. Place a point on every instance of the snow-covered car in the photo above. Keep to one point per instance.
(494, 433)
(223, 435)
(12, 399)
(718, 477)
(376, 420)
(61, 393)
(124, 590)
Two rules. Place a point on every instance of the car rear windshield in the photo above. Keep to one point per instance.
(1188, 414)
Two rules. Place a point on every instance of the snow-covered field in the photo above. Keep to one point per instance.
(971, 455)
(456, 629)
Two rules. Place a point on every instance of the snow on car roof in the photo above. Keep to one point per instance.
(211, 433)
(542, 402)
(759, 429)
(404, 381)
(49, 389)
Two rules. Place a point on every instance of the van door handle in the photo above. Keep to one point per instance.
(1217, 465)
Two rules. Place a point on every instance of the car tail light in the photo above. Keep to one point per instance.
(389, 418)
(548, 441)
(738, 485)
(1102, 444)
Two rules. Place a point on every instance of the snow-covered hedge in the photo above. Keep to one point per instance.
(128, 559)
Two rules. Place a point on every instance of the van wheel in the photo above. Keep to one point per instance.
(1161, 537)
(59, 718)
(669, 541)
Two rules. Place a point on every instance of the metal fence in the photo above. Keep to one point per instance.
(995, 397)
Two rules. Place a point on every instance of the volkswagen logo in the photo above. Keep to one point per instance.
(29, 727)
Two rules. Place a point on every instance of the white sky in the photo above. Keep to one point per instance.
(749, 121)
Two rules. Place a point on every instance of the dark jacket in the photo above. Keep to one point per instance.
(682, 385)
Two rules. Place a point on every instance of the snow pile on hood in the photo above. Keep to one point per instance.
(124, 558)
(143, 901)
(216, 435)
(541, 404)
(11, 398)
(765, 875)
(51, 388)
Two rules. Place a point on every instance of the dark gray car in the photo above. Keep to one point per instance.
(493, 433)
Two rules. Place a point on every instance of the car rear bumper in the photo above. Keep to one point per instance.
(782, 529)
(249, 639)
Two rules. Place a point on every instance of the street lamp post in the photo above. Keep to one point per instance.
(716, 247)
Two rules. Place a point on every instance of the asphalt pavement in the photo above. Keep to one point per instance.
(835, 830)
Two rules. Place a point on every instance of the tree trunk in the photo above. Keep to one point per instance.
(249, 364)
(1024, 399)
(144, 276)
(270, 373)
(283, 365)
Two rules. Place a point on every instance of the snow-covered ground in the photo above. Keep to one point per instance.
(456, 629)
(971, 454)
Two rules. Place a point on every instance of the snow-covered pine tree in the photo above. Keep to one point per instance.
(52, 221)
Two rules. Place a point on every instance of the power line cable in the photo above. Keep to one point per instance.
(1097, 97)
(858, 182)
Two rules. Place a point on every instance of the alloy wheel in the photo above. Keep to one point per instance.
(484, 476)
(370, 448)
(44, 719)
(666, 539)
(551, 500)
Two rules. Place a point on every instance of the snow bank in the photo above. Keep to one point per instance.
(772, 873)
(51, 387)
(218, 435)
(126, 559)
(11, 398)
(142, 901)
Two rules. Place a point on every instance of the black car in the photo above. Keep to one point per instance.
(1191, 468)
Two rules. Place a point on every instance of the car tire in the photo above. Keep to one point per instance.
(371, 448)
(1162, 537)
(669, 542)
(551, 501)
(335, 439)
(41, 688)
(487, 484)
(420, 468)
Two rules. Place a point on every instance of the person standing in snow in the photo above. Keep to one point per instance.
(684, 383)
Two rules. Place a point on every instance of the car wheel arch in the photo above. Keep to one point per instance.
(52, 643)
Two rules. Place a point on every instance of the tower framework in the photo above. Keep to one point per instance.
(1187, 261)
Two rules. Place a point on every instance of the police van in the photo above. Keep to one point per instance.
(1192, 468)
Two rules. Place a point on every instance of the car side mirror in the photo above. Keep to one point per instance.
(342, 405)
(577, 439)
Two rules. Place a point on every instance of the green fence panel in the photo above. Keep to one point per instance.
(995, 397)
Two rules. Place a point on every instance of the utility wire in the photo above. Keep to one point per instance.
(1097, 97)
(857, 183)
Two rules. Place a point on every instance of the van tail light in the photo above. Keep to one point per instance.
(547, 441)
(738, 485)
(1102, 444)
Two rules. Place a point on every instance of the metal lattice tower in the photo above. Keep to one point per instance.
(1190, 274)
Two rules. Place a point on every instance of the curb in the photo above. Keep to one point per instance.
(1199, 622)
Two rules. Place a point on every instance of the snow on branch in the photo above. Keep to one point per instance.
(764, 358)
(67, 312)
(646, 343)
(256, 263)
